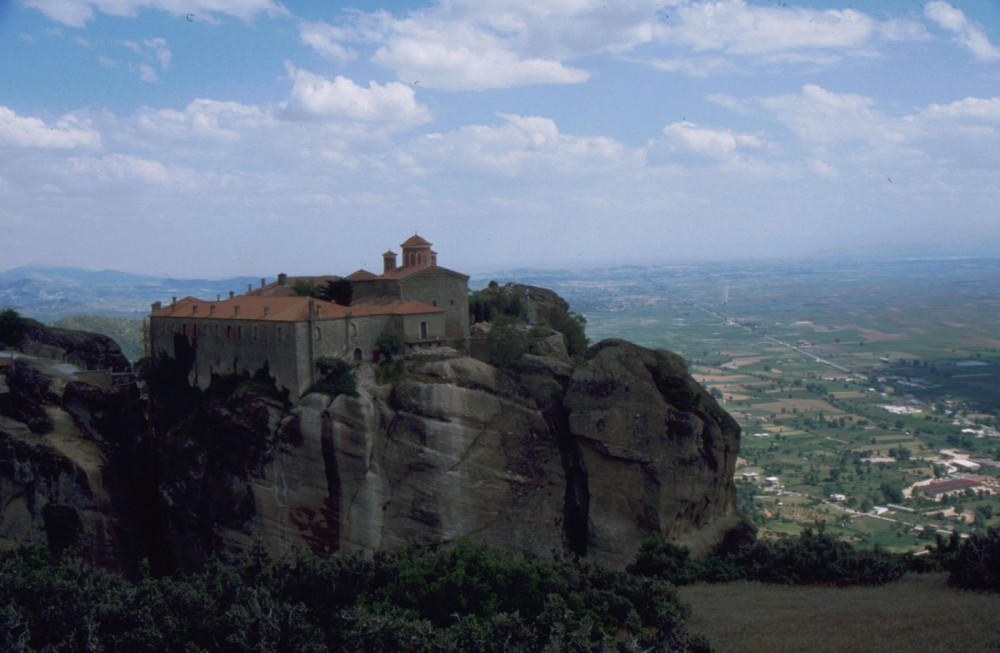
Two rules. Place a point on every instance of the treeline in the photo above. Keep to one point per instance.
(815, 558)
(466, 598)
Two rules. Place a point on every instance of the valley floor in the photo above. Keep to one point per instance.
(917, 613)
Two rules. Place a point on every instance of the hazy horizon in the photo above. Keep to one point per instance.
(236, 136)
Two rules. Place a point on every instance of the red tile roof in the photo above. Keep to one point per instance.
(415, 241)
(282, 309)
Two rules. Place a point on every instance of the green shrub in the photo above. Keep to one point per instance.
(972, 563)
(469, 598)
(12, 326)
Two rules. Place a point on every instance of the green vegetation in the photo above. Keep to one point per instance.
(338, 291)
(973, 563)
(468, 598)
(305, 288)
(573, 329)
(337, 377)
(390, 368)
(811, 558)
(496, 301)
(12, 326)
(506, 343)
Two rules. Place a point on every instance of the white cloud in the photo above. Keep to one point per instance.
(523, 146)
(820, 116)
(327, 40)
(160, 50)
(147, 73)
(733, 29)
(968, 33)
(393, 105)
(203, 120)
(76, 13)
(117, 167)
(686, 143)
(150, 50)
(455, 56)
(466, 44)
(982, 108)
(66, 133)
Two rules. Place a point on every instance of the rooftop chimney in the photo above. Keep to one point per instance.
(282, 279)
(211, 309)
(263, 282)
(194, 309)
(388, 261)
(249, 287)
(231, 294)
(237, 310)
(157, 307)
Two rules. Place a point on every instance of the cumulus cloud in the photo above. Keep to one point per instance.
(692, 144)
(968, 34)
(821, 116)
(76, 13)
(328, 40)
(30, 132)
(314, 97)
(117, 167)
(520, 146)
(204, 119)
(466, 44)
(711, 35)
(462, 45)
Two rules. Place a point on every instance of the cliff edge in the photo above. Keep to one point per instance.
(586, 459)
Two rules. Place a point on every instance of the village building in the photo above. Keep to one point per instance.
(271, 328)
(937, 490)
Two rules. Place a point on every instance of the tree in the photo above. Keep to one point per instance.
(304, 288)
(572, 327)
(338, 291)
(11, 326)
(390, 345)
(506, 343)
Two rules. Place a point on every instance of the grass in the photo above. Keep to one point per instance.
(917, 613)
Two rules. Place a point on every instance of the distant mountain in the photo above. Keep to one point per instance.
(52, 293)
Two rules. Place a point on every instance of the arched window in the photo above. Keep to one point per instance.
(423, 331)
(319, 334)
(358, 355)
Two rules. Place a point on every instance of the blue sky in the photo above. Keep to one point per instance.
(221, 137)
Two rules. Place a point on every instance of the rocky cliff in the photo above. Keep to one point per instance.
(64, 427)
(573, 458)
(587, 459)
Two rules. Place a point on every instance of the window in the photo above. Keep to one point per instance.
(423, 331)
(319, 334)
(358, 354)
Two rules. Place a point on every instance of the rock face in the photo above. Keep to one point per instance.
(582, 460)
(62, 442)
(657, 451)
